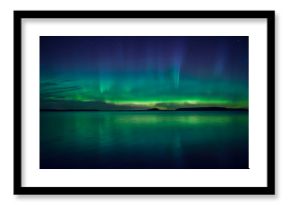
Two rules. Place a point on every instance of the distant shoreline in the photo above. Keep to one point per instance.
(151, 110)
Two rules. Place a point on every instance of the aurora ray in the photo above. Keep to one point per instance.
(141, 72)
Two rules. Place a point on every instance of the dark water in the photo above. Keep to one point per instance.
(144, 140)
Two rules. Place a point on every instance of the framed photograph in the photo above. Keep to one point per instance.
(144, 102)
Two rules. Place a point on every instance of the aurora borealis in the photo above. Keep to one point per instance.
(86, 81)
(142, 72)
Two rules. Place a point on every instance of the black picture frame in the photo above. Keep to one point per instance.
(269, 189)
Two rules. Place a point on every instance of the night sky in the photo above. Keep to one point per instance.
(129, 73)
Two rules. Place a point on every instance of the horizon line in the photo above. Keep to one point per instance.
(151, 109)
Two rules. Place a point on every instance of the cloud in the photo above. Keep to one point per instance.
(60, 90)
(96, 105)
(57, 89)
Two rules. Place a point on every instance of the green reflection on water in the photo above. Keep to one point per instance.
(144, 140)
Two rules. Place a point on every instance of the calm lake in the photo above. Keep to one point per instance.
(144, 140)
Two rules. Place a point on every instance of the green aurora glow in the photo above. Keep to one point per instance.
(128, 73)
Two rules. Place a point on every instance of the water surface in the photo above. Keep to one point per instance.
(144, 140)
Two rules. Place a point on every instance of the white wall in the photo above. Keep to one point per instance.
(282, 98)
